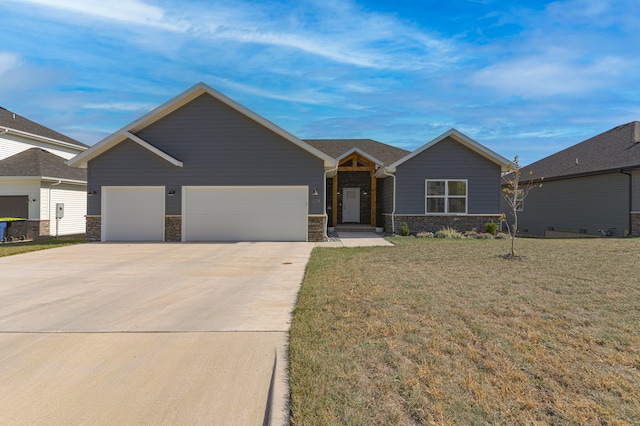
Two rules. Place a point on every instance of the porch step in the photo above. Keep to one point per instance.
(355, 228)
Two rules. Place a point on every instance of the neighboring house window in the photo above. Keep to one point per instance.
(446, 196)
(520, 200)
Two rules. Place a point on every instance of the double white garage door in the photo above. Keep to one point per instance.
(220, 213)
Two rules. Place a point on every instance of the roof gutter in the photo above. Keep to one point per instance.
(393, 212)
(575, 175)
(324, 202)
(63, 180)
(49, 206)
(5, 130)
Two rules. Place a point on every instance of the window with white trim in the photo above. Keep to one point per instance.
(446, 196)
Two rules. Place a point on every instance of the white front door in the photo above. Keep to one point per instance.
(351, 205)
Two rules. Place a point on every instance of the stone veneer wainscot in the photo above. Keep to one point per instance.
(316, 228)
(433, 223)
(94, 228)
(173, 228)
(635, 223)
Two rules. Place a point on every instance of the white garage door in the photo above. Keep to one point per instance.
(245, 213)
(133, 213)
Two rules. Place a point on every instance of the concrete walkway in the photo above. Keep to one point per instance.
(147, 333)
(356, 239)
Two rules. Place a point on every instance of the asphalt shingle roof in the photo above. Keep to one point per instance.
(336, 147)
(41, 163)
(617, 148)
(17, 122)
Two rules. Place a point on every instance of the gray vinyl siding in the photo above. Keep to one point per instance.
(448, 159)
(586, 203)
(385, 195)
(219, 147)
(636, 190)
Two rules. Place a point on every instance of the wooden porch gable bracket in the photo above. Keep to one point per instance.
(355, 163)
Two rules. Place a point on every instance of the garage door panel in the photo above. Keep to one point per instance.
(245, 213)
(133, 214)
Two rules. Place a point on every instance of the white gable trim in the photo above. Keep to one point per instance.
(82, 159)
(361, 153)
(32, 136)
(179, 101)
(464, 140)
(153, 149)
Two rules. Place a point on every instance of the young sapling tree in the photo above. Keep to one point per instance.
(515, 193)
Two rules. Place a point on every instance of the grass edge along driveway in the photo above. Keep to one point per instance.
(447, 332)
(9, 249)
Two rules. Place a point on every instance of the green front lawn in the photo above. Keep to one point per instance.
(8, 249)
(447, 332)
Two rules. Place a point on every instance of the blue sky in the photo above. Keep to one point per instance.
(524, 78)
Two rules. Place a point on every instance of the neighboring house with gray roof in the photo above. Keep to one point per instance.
(35, 179)
(591, 188)
(202, 167)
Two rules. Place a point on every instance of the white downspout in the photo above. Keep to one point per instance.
(324, 203)
(49, 205)
(393, 213)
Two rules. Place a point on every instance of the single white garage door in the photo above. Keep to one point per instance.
(133, 213)
(245, 213)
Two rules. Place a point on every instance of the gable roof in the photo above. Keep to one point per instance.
(172, 105)
(14, 123)
(615, 149)
(37, 162)
(337, 148)
(464, 140)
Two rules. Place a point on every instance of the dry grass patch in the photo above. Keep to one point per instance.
(447, 332)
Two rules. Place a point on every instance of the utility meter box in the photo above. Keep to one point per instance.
(59, 210)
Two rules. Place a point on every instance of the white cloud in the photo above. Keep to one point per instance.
(307, 96)
(341, 32)
(120, 106)
(8, 61)
(126, 11)
(548, 75)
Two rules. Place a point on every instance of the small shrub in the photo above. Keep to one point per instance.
(425, 234)
(484, 236)
(491, 228)
(477, 235)
(404, 229)
(449, 233)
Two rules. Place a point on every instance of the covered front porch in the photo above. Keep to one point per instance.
(352, 192)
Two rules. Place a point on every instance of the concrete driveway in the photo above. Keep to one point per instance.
(147, 333)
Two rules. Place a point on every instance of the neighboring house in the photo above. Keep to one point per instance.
(591, 188)
(35, 180)
(202, 167)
